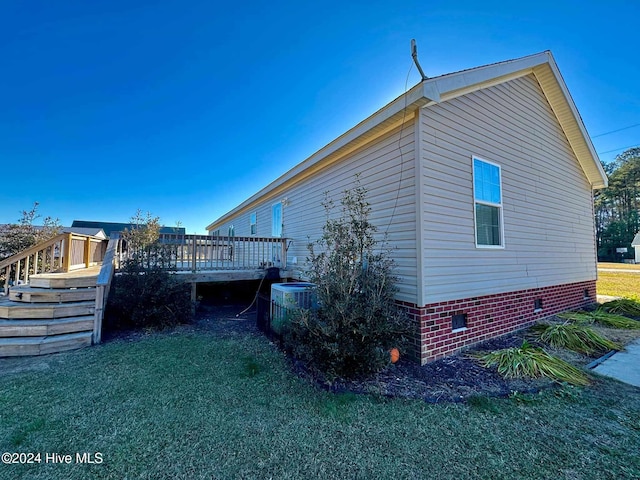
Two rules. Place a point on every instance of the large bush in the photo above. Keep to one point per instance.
(149, 297)
(146, 293)
(357, 321)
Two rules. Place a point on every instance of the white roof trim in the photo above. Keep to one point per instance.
(445, 87)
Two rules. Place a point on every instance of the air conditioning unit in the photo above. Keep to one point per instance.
(286, 298)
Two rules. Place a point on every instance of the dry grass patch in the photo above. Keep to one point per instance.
(619, 284)
(528, 361)
(576, 337)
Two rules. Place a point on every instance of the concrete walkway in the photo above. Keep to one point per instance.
(623, 366)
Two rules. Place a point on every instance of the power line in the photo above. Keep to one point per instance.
(614, 131)
(617, 149)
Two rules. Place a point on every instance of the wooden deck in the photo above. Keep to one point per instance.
(48, 312)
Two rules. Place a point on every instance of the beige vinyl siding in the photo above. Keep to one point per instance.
(389, 177)
(548, 222)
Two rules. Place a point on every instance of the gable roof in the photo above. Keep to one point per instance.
(636, 240)
(440, 89)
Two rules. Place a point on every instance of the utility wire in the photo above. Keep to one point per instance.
(614, 131)
(404, 115)
(617, 149)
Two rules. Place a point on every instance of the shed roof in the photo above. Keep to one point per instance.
(440, 89)
(94, 232)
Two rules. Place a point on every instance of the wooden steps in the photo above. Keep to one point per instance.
(44, 327)
(29, 294)
(16, 347)
(75, 279)
(54, 313)
(10, 310)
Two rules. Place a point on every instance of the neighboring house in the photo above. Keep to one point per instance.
(635, 243)
(481, 179)
(111, 227)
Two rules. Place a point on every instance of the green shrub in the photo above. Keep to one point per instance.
(357, 321)
(145, 293)
(151, 297)
(532, 362)
(577, 337)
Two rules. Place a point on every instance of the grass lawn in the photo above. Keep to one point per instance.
(620, 284)
(183, 405)
(619, 266)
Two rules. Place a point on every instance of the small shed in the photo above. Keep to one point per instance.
(635, 243)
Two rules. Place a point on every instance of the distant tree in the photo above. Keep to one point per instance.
(16, 237)
(142, 237)
(617, 207)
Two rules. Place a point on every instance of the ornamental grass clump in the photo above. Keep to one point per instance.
(622, 306)
(357, 321)
(527, 361)
(573, 336)
(603, 318)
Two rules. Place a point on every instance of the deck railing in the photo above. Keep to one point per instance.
(103, 286)
(200, 253)
(62, 253)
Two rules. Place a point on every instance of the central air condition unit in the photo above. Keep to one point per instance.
(286, 298)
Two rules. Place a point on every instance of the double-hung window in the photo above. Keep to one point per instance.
(487, 194)
(253, 223)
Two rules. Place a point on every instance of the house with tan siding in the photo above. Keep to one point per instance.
(482, 182)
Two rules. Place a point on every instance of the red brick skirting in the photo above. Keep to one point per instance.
(490, 316)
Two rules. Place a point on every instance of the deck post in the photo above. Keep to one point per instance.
(194, 297)
(66, 251)
(35, 263)
(194, 244)
(87, 251)
(283, 258)
(98, 314)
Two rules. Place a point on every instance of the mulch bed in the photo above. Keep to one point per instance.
(452, 379)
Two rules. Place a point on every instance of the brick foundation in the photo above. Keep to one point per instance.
(490, 316)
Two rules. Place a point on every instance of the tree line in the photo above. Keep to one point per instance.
(617, 207)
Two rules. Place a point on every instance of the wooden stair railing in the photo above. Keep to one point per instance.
(103, 285)
(62, 253)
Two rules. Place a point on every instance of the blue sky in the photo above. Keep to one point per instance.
(186, 108)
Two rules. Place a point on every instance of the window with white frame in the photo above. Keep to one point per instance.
(276, 220)
(253, 223)
(487, 194)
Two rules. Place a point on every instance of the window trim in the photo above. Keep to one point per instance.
(500, 205)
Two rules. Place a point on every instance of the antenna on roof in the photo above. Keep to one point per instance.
(414, 54)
